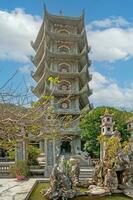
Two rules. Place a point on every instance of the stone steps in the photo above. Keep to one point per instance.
(86, 173)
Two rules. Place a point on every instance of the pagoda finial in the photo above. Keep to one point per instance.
(83, 12)
(61, 12)
(44, 6)
(106, 111)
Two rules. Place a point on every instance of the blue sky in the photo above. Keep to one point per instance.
(109, 25)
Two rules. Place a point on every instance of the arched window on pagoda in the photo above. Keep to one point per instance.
(64, 67)
(65, 104)
(64, 85)
(64, 49)
(63, 31)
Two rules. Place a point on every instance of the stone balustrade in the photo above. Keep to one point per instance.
(4, 169)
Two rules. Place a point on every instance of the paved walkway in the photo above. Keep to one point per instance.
(11, 189)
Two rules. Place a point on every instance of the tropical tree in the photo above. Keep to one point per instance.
(90, 126)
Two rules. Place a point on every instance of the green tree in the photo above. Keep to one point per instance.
(90, 126)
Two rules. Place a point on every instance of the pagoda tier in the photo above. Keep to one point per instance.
(83, 75)
(60, 22)
(80, 39)
(43, 88)
(47, 53)
(62, 41)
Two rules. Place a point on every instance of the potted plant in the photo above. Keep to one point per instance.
(20, 170)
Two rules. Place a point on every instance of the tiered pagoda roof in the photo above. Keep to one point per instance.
(44, 54)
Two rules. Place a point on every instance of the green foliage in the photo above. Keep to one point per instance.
(33, 153)
(54, 80)
(11, 154)
(20, 167)
(90, 125)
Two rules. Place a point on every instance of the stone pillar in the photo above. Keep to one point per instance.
(49, 154)
(41, 146)
(20, 150)
(76, 145)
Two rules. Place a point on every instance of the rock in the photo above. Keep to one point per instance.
(116, 191)
(98, 191)
(62, 181)
(86, 183)
(75, 171)
(111, 180)
(128, 192)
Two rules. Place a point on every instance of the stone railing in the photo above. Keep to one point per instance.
(4, 169)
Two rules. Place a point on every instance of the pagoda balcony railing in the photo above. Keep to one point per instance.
(65, 92)
(64, 55)
(60, 92)
(64, 74)
(67, 111)
(62, 131)
(41, 70)
(58, 54)
(69, 36)
(75, 130)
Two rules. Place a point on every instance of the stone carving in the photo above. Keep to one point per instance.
(105, 174)
(111, 180)
(75, 171)
(61, 184)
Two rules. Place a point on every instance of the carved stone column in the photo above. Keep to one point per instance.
(49, 154)
(20, 150)
(20, 153)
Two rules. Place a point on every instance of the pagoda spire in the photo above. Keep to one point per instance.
(106, 112)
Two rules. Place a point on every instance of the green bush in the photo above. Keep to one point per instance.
(20, 167)
(33, 153)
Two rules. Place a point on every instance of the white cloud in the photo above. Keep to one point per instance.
(111, 43)
(109, 22)
(17, 29)
(107, 92)
(26, 69)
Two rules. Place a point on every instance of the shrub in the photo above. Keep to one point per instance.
(20, 167)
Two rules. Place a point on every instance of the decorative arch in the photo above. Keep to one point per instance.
(63, 31)
(64, 49)
(64, 67)
(64, 85)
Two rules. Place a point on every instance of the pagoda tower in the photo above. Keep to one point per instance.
(106, 130)
(61, 50)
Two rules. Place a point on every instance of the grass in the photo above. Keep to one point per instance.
(36, 195)
(113, 197)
